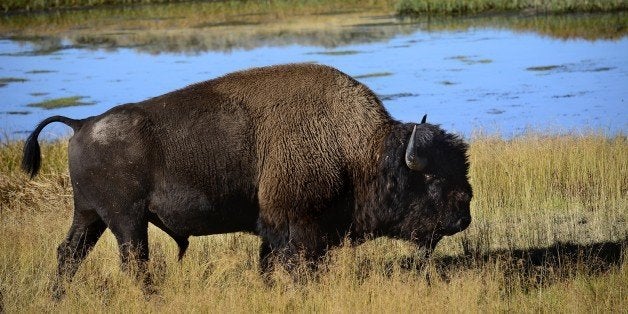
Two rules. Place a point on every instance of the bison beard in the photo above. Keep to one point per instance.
(302, 155)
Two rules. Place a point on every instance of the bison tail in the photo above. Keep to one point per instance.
(31, 160)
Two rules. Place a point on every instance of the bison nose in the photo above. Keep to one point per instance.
(464, 222)
(459, 225)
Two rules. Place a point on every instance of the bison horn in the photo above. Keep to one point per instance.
(424, 119)
(414, 162)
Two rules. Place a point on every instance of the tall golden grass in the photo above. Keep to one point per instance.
(533, 194)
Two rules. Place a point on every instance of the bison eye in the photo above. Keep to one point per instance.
(429, 178)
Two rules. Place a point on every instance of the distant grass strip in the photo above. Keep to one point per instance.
(403, 7)
(62, 102)
(224, 6)
(454, 7)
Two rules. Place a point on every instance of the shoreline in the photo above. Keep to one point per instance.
(401, 8)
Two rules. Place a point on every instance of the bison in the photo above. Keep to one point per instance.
(302, 155)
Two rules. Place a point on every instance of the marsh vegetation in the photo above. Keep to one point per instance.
(4, 81)
(448, 7)
(549, 233)
(403, 7)
(430, 64)
(61, 102)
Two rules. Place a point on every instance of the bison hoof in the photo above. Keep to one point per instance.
(58, 292)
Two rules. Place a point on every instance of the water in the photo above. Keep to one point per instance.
(488, 79)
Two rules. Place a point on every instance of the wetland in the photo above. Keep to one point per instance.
(501, 73)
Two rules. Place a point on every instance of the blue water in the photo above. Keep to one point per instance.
(467, 81)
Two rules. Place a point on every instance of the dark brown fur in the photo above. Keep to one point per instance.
(302, 155)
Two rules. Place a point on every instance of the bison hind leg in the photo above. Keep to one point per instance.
(86, 229)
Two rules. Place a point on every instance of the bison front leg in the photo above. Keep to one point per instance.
(86, 229)
(292, 246)
(307, 243)
(266, 258)
(274, 242)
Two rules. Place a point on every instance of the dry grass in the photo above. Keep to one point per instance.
(532, 194)
(430, 7)
(435, 7)
(225, 6)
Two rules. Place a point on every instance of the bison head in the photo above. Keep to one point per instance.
(424, 190)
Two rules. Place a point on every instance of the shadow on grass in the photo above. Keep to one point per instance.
(531, 268)
(596, 256)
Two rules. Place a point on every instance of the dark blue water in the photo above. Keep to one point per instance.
(476, 80)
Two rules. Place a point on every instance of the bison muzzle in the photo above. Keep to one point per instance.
(302, 155)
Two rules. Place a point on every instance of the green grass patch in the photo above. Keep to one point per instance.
(375, 74)
(37, 94)
(4, 81)
(387, 97)
(545, 68)
(62, 102)
(337, 52)
(40, 71)
(470, 60)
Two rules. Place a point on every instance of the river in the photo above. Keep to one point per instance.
(477, 76)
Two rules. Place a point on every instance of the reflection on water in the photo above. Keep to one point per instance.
(467, 74)
(199, 27)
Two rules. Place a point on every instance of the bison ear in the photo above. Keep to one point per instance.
(412, 160)
(424, 119)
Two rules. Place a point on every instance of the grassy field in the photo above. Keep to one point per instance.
(549, 234)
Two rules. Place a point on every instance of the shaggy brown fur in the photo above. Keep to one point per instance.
(301, 154)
